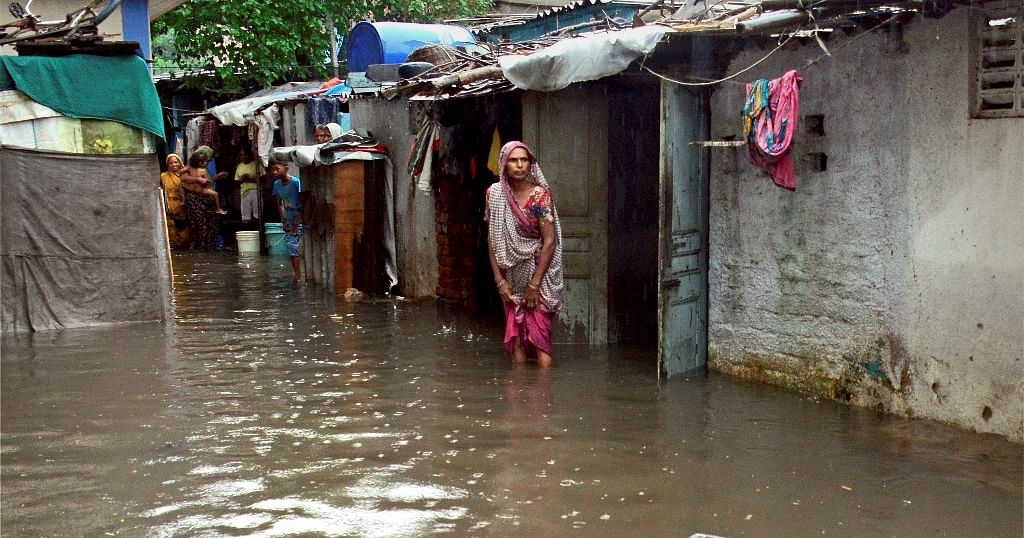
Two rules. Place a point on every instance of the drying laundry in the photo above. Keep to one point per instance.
(322, 110)
(209, 135)
(769, 125)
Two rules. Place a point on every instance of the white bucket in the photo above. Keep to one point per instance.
(248, 242)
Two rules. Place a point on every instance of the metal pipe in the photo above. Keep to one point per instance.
(773, 5)
(772, 21)
(334, 46)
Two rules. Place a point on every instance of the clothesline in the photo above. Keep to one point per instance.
(809, 63)
(185, 111)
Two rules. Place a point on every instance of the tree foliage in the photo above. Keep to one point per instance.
(267, 41)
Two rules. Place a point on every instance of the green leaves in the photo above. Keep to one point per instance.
(271, 41)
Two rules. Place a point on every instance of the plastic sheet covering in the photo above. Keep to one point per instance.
(244, 111)
(27, 124)
(579, 59)
(82, 240)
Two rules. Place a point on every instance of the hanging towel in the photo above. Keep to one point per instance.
(492, 158)
(192, 135)
(209, 135)
(322, 110)
(421, 155)
(769, 125)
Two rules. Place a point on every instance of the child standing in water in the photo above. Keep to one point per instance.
(195, 179)
(287, 189)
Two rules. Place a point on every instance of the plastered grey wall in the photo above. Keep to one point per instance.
(894, 278)
(415, 233)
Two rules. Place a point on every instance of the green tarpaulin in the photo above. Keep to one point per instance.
(117, 88)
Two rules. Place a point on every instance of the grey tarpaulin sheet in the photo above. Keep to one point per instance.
(82, 240)
(579, 59)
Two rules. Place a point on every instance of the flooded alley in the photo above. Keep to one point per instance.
(267, 408)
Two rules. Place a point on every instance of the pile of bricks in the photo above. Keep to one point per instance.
(457, 228)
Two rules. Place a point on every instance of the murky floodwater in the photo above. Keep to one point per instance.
(269, 410)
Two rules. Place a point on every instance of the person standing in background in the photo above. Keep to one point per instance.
(174, 201)
(287, 190)
(246, 177)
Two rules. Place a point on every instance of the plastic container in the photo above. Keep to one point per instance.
(391, 42)
(248, 242)
(276, 245)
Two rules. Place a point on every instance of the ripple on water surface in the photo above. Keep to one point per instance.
(270, 409)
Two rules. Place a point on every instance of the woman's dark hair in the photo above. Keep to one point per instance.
(197, 159)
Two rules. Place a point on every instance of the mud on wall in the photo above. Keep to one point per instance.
(893, 276)
(393, 123)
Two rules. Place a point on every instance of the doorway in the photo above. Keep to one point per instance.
(462, 172)
(633, 153)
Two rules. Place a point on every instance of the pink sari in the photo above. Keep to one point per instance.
(516, 240)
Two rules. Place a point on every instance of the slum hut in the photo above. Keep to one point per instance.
(82, 238)
(831, 280)
(284, 115)
(348, 239)
(373, 50)
(609, 299)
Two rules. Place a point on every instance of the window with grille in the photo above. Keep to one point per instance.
(999, 62)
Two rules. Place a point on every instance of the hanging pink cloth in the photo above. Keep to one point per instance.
(769, 124)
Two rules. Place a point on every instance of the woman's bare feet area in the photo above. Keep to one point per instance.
(519, 355)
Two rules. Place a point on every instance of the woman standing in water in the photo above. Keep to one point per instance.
(200, 202)
(525, 243)
(174, 201)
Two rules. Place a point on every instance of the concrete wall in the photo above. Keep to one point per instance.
(893, 278)
(393, 124)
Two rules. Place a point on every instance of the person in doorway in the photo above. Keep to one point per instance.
(246, 176)
(524, 240)
(287, 189)
(174, 202)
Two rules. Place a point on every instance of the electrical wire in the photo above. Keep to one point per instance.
(773, 51)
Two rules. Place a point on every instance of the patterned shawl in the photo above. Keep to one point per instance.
(516, 239)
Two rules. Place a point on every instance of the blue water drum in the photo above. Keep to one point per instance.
(391, 42)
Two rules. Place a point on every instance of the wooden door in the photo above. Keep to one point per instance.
(568, 131)
(682, 234)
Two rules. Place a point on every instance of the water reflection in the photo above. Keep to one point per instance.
(274, 410)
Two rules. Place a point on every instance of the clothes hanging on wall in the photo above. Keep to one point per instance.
(421, 155)
(209, 135)
(769, 124)
(322, 110)
(192, 135)
(266, 122)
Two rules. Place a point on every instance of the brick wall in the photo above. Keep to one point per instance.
(457, 229)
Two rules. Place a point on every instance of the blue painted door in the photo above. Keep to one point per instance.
(682, 234)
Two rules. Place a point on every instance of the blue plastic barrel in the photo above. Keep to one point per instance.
(391, 42)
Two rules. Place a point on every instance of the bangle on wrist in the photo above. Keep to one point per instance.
(502, 283)
(532, 287)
